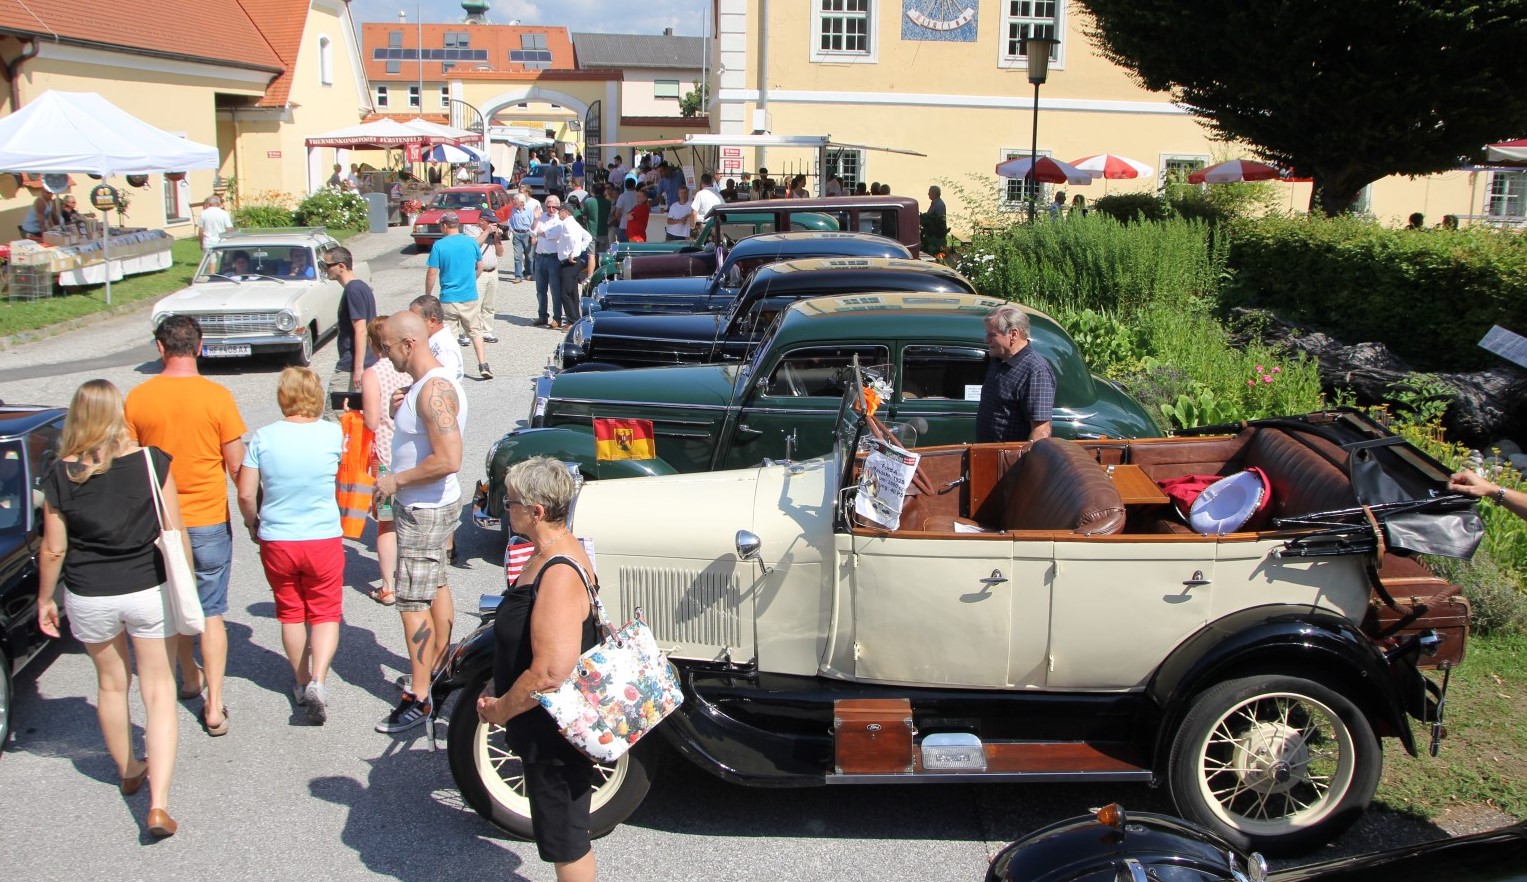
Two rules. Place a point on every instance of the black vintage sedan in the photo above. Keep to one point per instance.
(617, 339)
(716, 292)
(28, 445)
(1111, 844)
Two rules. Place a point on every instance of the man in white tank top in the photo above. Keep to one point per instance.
(429, 419)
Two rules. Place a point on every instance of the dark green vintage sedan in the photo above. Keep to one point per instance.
(783, 401)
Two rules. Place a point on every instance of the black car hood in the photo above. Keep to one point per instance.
(699, 326)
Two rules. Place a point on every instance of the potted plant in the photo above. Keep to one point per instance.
(411, 209)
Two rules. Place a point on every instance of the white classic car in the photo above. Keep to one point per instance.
(1034, 613)
(263, 292)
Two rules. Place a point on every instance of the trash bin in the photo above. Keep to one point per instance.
(376, 211)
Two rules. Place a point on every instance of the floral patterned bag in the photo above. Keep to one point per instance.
(621, 688)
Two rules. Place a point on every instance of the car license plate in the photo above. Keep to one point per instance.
(225, 350)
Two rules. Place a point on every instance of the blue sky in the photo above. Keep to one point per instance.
(686, 17)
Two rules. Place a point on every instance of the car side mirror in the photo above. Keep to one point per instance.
(749, 547)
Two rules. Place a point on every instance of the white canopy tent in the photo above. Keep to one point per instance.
(83, 133)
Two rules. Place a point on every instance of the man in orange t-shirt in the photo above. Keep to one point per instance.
(197, 423)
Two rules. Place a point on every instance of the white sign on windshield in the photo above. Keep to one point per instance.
(883, 483)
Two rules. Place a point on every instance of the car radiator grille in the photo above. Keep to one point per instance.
(230, 323)
(684, 606)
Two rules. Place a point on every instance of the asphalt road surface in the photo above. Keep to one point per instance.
(276, 799)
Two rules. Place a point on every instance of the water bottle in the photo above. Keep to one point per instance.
(383, 505)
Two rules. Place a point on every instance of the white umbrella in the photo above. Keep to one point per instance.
(453, 154)
(1112, 166)
(1507, 151)
(438, 132)
(1047, 170)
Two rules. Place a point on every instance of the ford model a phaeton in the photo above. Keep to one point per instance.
(1036, 613)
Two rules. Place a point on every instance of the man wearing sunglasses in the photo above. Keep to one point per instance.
(357, 307)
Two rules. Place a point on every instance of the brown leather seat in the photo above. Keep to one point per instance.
(1304, 478)
(1057, 485)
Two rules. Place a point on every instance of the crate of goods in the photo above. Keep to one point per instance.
(30, 281)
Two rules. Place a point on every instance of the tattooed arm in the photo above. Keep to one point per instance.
(438, 409)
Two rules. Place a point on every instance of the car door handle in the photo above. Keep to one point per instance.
(1198, 580)
(745, 429)
(996, 578)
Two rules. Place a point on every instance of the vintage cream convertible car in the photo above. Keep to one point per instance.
(1039, 614)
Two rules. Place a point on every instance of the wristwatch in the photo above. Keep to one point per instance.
(1499, 495)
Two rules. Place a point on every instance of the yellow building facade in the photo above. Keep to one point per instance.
(949, 79)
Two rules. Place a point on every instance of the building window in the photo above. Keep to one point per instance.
(413, 96)
(843, 30)
(381, 96)
(1507, 196)
(1022, 19)
(177, 203)
(394, 67)
(532, 41)
(395, 39)
(447, 66)
(665, 89)
(445, 96)
(1175, 167)
(533, 57)
(458, 40)
(325, 61)
(845, 163)
(1015, 191)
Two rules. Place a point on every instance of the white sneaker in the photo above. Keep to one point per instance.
(317, 703)
(299, 694)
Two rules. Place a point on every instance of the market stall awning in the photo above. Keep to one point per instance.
(1507, 151)
(83, 133)
(806, 142)
(382, 133)
(441, 134)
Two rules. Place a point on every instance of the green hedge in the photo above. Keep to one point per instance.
(1429, 295)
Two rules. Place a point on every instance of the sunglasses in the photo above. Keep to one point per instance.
(511, 503)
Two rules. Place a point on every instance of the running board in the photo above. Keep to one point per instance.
(1024, 761)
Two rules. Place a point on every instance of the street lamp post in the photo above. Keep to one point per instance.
(1038, 51)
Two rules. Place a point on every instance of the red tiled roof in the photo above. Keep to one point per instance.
(281, 21)
(217, 31)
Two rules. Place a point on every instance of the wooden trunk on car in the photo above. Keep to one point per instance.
(1421, 601)
(873, 736)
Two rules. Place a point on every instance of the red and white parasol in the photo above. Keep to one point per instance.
(1113, 167)
(1235, 171)
(1046, 171)
(1507, 151)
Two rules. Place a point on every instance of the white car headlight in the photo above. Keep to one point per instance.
(582, 331)
(159, 318)
(286, 320)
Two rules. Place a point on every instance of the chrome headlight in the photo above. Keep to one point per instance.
(582, 332)
(159, 318)
(286, 320)
(625, 267)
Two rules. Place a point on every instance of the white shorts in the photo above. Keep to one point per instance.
(141, 614)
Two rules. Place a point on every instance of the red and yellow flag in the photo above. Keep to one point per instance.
(624, 439)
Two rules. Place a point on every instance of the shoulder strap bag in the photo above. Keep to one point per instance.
(618, 692)
(182, 603)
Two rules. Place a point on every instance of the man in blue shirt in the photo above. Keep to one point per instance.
(454, 264)
(520, 221)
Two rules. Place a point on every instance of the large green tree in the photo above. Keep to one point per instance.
(1343, 91)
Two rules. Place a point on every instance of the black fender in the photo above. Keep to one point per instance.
(468, 659)
(739, 753)
(1280, 639)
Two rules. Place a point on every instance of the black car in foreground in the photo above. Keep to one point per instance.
(28, 445)
(1110, 845)
(619, 339)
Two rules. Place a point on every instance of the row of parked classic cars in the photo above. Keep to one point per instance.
(1035, 612)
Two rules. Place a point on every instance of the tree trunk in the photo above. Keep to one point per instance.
(1333, 198)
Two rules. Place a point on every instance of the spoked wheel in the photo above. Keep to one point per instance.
(492, 778)
(1276, 764)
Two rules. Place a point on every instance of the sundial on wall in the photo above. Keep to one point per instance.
(944, 20)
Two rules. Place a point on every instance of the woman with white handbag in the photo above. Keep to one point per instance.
(109, 506)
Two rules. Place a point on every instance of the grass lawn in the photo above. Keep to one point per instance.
(1484, 757)
(30, 315)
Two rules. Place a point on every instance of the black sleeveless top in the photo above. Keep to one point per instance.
(533, 734)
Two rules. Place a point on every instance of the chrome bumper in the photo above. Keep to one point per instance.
(261, 341)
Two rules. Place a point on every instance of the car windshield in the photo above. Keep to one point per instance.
(13, 489)
(240, 261)
(448, 200)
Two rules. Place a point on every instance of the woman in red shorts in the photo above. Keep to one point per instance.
(294, 462)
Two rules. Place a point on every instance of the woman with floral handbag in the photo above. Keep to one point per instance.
(544, 623)
(100, 533)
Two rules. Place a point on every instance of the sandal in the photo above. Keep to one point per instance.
(218, 730)
(384, 596)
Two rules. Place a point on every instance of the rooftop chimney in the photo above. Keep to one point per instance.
(667, 32)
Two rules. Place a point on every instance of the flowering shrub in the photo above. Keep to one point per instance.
(265, 208)
(335, 209)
